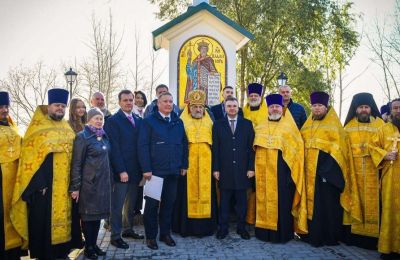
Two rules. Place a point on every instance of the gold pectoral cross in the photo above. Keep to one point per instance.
(394, 139)
(10, 150)
(270, 140)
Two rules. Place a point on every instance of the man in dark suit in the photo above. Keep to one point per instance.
(164, 153)
(218, 111)
(233, 165)
(123, 130)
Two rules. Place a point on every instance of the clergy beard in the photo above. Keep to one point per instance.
(255, 103)
(318, 117)
(363, 117)
(275, 117)
(395, 120)
(197, 115)
(56, 117)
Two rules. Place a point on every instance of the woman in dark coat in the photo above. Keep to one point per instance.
(77, 120)
(90, 179)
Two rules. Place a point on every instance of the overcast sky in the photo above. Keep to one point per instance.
(56, 31)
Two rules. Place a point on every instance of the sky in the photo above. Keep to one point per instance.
(58, 31)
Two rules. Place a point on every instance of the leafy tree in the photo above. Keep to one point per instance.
(310, 40)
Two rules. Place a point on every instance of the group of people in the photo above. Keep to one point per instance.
(287, 174)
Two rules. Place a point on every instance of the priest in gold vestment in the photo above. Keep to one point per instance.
(330, 195)
(196, 207)
(256, 111)
(362, 122)
(41, 204)
(10, 149)
(280, 183)
(384, 152)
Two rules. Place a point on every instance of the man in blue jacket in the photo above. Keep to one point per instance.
(297, 110)
(122, 129)
(164, 153)
(152, 107)
(233, 165)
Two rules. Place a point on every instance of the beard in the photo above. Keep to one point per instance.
(395, 120)
(197, 115)
(56, 117)
(275, 117)
(363, 117)
(255, 103)
(318, 117)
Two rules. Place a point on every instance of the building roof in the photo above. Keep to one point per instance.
(192, 10)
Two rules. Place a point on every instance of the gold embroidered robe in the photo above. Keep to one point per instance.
(271, 137)
(366, 173)
(45, 136)
(329, 136)
(10, 150)
(199, 135)
(382, 142)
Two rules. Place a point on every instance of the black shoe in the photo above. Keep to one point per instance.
(131, 234)
(167, 239)
(243, 234)
(98, 251)
(119, 243)
(152, 244)
(221, 234)
(90, 253)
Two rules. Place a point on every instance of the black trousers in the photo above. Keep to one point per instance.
(90, 231)
(153, 217)
(240, 208)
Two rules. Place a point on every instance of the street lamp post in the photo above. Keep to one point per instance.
(70, 77)
(282, 79)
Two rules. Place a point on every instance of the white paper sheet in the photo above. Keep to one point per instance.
(153, 187)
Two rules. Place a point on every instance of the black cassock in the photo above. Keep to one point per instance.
(325, 228)
(192, 226)
(39, 215)
(286, 189)
(13, 253)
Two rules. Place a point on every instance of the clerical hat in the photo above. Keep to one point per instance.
(359, 100)
(197, 97)
(385, 109)
(319, 97)
(274, 99)
(254, 88)
(58, 95)
(4, 98)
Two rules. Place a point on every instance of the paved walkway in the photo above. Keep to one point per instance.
(232, 247)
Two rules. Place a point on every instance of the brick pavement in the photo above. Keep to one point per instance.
(233, 247)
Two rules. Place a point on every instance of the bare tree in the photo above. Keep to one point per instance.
(101, 71)
(155, 72)
(379, 47)
(28, 88)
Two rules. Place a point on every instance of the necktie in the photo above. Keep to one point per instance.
(232, 126)
(130, 118)
(166, 119)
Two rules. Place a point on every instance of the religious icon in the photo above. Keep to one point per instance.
(202, 65)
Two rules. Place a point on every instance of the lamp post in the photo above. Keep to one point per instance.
(70, 77)
(282, 79)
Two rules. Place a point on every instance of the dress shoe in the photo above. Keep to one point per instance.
(152, 244)
(98, 251)
(119, 243)
(129, 233)
(221, 234)
(90, 253)
(167, 239)
(244, 234)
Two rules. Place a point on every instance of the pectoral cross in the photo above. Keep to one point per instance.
(394, 139)
(10, 150)
(270, 140)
